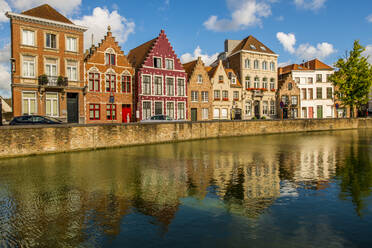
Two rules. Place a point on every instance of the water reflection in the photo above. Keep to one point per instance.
(81, 199)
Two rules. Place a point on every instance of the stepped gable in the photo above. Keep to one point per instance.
(138, 55)
(252, 44)
(189, 67)
(45, 11)
(316, 64)
(238, 84)
(212, 71)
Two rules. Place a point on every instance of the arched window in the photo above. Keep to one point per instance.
(264, 83)
(126, 82)
(247, 82)
(272, 84)
(272, 66)
(110, 57)
(247, 63)
(256, 82)
(264, 65)
(256, 66)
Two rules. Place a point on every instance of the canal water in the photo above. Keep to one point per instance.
(292, 190)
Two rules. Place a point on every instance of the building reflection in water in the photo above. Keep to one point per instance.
(91, 192)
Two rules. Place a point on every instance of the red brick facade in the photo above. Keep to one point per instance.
(108, 83)
(160, 80)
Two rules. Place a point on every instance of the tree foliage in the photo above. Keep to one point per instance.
(353, 78)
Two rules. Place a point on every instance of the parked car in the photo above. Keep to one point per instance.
(34, 120)
(160, 118)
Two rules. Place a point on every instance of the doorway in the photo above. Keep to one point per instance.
(311, 112)
(126, 112)
(257, 109)
(194, 114)
(72, 107)
(319, 111)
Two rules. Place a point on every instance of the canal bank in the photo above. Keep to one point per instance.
(33, 140)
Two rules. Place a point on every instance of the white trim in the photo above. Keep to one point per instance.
(162, 84)
(142, 117)
(174, 86)
(162, 107)
(166, 63)
(44, 21)
(163, 69)
(260, 53)
(36, 103)
(184, 86)
(51, 114)
(161, 62)
(174, 107)
(142, 75)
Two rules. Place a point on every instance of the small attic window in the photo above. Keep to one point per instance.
(253, 47)
(263, 48)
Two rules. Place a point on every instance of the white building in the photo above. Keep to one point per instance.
(316, 91)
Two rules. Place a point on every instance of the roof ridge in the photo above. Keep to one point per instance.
(45, 11)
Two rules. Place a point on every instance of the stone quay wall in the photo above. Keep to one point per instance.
(32, 140)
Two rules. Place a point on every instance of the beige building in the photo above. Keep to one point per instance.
(255, 65)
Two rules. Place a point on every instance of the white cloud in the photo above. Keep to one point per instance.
(65, 6)
(187, 57)
(305, 51)
(368, 53)
(245, 13)
(5, 71)
(369, 18)
(310, 4)
(4, 7)
(98, 22)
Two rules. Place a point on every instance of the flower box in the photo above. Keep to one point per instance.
(225, 99)
(273, 90)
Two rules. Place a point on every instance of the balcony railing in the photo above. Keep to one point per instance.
(53, 81)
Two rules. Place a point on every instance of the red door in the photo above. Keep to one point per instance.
(311, 112)
(126, 113)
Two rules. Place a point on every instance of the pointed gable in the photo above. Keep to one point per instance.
(189, 67)
(252, 44)
(45, 11)
(138, 55)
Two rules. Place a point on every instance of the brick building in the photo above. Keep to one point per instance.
(288, 97)
(199, 91)
(47, 64)
(108, 81)
(160, 80)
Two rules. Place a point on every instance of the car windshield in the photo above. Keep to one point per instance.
(51, 119)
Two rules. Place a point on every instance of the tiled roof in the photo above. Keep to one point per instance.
(252, 44)
(316, 64)
(189, 67)
(45, 11)
(212, 70)
(293, 67)
(137, 55)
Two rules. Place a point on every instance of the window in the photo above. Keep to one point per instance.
(200, 79)
(205, 96)
(94, 111)
(311, 94)
(220, 79)
(264, 65)
(236, 95)
(304, 112)
(126, 83)
(256, 83)
(327, 78)
(319, 78)
(272, 107)
(181, 111)
(28, 37)
(110, 59)
(28, 67)
(146, 85)
(216, 113)
(319, 93)
(72, 70)
(224, 113)
(158, 85)
(233, 80)
(71, 44)
(247, 82)
(264, 83)
(285, 99)
(294, 113)
(248, 108)
(194, 96)
(205, 114)
(146, 110)
(272, 66)
(297, 80)
(272, 84)
(265, 107)
(217, 95)
(51, 104)
(158, 108)
(256, 64)
(309, 80)
(170, 109)
(181, 87)
(170, 87)
(294, 100)
(290, 86)
(51, 67)
(157, 62)
(110, 83)
(225, 95)
(329, 93)
(29, 104)
(111, 111)
(247, 64)
(51, 41)
(94, 81)
(304, 95)
(252, 46)
(169, 64)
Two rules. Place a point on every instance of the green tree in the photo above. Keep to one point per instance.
(353, 78)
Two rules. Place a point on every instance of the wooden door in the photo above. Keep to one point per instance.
(194, 114)
(126, 113)
(311, 112)
(319, 111)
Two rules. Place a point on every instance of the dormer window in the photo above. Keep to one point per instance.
(157, 62)
(263, 48)
(110, 59)
(233, 80)
(252, 46)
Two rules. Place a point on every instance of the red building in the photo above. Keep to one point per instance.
(108, 83)
(160, 80)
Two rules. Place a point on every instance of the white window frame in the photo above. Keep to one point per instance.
(166, 64)
(184, 86)
(26, 34)
(205, 96)
(29, 101)
(223, 110)
(69, 45)
(142, 84)
(194, 96)
(205, 113)
(248, 108)
(216, 110)
(200, 78)
(143, 112)
(166, 86)
(26, 73)
(50, 69)
(69, 69)
(183, 112)
(46, 45)
(161, 84)
(166, 109)
(247, 63)
(52, 100)
(161, 62)
(162, 107)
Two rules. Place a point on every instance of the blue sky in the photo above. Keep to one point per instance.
(295, 29)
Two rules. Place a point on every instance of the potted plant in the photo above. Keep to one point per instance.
(62, 81)
(43, 79)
